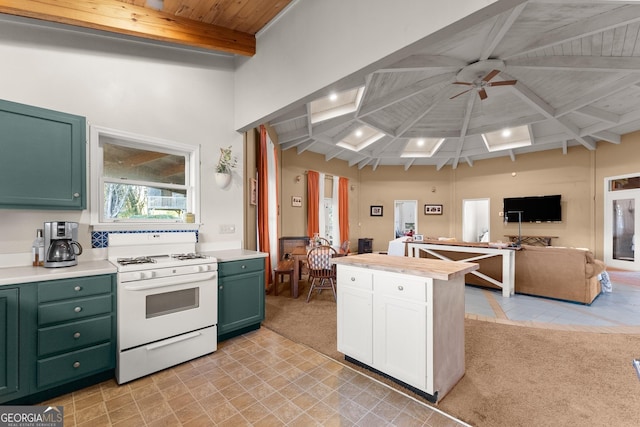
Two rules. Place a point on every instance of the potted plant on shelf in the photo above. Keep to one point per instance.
(226, 164)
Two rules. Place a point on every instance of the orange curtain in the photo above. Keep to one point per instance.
(343, 209)
(313, 203)
(263, 205)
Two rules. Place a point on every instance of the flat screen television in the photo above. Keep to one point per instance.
(533, 209)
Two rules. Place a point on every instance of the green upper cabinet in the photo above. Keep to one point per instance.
(43, 161)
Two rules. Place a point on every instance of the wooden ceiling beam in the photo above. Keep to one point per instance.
(123, 18)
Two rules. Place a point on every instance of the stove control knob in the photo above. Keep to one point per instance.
(203, 268)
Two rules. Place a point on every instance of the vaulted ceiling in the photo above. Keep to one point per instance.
(568, 72)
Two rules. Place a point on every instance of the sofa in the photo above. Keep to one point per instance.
(563, 273)
(568, 274)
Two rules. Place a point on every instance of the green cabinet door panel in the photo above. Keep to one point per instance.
(9, 335)
(43, 161)
(240, 301)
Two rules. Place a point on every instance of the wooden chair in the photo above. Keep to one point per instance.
(284, 267)
(321, 269)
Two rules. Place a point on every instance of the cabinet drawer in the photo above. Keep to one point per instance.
(355, 277)
(79, 308)
(400, 286)
(73, 336)
(73, 288)
(71, 366)
(242, 266)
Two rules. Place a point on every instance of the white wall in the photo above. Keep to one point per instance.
(316, 43)
(136, 87)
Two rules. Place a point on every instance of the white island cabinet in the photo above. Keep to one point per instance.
(404, 317)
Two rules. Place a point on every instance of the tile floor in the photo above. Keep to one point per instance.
(258, 379)
(264, 379)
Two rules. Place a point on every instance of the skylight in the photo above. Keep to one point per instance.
(507, 138)
(336, 104)
(422, 147)
(360, 138)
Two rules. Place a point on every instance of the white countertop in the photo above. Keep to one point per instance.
(15, 275)
(235, 254)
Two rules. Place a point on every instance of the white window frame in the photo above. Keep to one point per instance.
(192, 181)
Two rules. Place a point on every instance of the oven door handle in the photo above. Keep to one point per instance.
(162, 282)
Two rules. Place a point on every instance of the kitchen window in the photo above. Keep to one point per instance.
(139, 179)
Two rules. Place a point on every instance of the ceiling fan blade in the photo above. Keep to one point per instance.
(463, 83)
(461, 93)
(503, 83)
(491, 75)
(483, 94)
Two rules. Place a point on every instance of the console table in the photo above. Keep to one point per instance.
(532, 240)
(476, 251)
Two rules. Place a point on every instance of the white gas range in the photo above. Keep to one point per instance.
(167, 301)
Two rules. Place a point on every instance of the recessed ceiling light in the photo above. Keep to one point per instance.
(333, 96)
(359, 133)
(420, 142)
(506, 133)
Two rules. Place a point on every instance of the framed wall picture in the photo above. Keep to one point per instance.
(253, 191)
(376, 211)
(296, 201)
(433, 209)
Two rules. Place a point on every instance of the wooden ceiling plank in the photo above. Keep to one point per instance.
(608, 136)
(617, 17)
(577, 63)
(597, 94)
(421, 112)
(599, 114)
(119, 17)
(499, 30)
(404, 93)
(425, 63)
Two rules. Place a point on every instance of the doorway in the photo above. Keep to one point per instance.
(621, 222)
(475, 220)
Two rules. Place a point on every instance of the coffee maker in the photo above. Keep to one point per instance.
(60, 244)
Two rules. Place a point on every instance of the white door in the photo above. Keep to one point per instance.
(621, 221)
(475, 220)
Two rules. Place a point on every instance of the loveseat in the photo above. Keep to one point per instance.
(555, 272)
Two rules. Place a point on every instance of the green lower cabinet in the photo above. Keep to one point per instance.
(241, 297)
(57, 336)
(10, 374)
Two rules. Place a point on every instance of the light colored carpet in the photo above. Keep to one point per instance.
(515, 375)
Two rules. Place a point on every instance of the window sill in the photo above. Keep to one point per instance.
(145, 226)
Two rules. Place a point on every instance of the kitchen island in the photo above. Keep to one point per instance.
(404, 318)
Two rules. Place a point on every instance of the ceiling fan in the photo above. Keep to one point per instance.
(481, 84)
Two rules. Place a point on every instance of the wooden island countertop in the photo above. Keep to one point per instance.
(431, 268)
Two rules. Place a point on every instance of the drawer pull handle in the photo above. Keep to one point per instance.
(76, 335)
(353, 279)
(221, 287)
(244, 266)
(76, 365)
(400, 287)
(77, 288)
(77, 309)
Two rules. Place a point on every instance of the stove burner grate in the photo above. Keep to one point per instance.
(136, 260)
(183, 257)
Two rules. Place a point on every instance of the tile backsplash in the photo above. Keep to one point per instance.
(100, 239)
